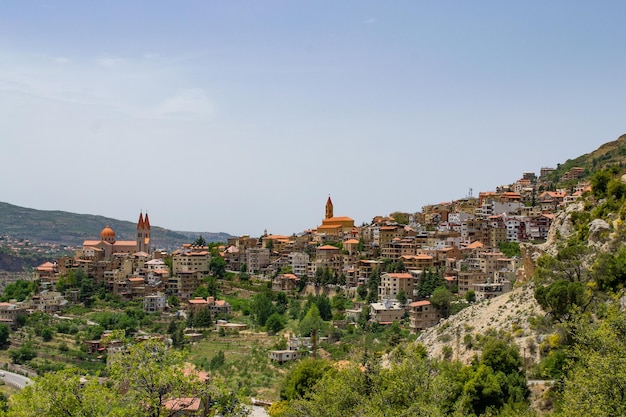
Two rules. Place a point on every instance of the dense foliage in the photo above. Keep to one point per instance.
(410, 385)
(142, 382)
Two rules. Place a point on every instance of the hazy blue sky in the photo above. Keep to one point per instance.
(238, 116)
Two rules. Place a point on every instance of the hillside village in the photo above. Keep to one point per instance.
(459, 239)
(454, 278)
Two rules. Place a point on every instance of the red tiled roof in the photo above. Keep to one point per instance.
(419, 303)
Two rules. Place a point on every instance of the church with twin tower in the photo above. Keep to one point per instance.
(108, 244)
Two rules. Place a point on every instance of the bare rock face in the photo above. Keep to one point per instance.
(598, 231)
(530, 254)
(562, 227)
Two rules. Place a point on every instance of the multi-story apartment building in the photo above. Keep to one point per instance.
(388, 233)
(419, 262)
(154, 303)
(298, 262)
(392, 283)
(398, 248)
(422, 315)
(491, 289)
(191, 259)
(540, 226)
(474, 230)
(184, 284)
(467, 280)
(257, 259)
(490, 262)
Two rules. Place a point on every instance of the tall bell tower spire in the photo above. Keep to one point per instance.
(329, 208)
(143, 233)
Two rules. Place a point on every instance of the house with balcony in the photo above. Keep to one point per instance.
(422, 315)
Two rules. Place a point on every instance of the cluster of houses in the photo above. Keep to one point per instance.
(458, 238)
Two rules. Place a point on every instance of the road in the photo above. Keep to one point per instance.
(16, 380)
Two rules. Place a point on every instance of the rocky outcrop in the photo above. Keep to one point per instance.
(598, 232)
(506, 314)
(561, 229)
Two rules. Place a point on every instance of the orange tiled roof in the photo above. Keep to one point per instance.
(419, 303)
(125, 243)
(46, 266)
(328, 247)
(340, 218)
(290, 276)
(399, 275)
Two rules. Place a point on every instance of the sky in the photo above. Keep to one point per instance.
(244, 116)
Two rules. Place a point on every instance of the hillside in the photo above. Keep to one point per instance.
(611, 153)
(71, 229)
(508, 315)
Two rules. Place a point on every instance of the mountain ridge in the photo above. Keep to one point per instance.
(71, 229)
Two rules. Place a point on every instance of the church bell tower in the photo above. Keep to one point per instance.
(143, 234)
(329, 208)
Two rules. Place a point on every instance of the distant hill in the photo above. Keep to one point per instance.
(611, 153)
(71, 229)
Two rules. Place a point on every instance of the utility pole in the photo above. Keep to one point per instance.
(457, 343)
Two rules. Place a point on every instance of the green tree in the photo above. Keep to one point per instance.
(4, 334)
(243, 272)
(312, 320)
(616, 188)
(470, 296)
(217, 266)
(323, 305)
(400, 217)
(199, 241)
(402, 298)
(361, 290)
(262, 307)
(596, 379)
(560, 297)
(19, 290)
(275, 323)
(65, 393)
(428, 282)
(173, 301)
(22, 355)
(303, 377)
(599, 182)
(217, 361)
(510, 249)
(441, 299)
(339, 302)
(609, 270)
(202, 318)
(141, 380)
(281, 301)
(47, 334)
